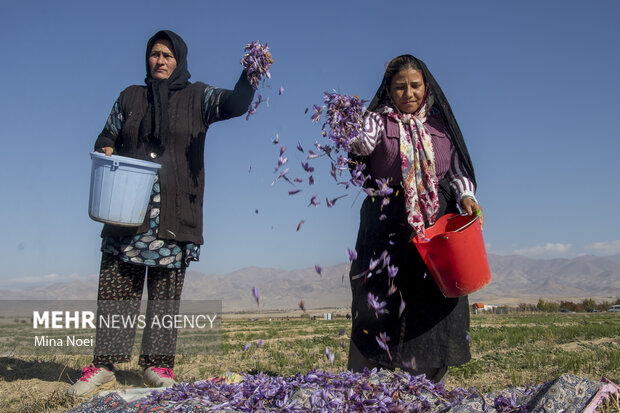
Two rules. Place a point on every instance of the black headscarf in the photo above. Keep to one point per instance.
(154, 125)
(441, 103)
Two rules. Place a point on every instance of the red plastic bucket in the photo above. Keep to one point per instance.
(453, 250)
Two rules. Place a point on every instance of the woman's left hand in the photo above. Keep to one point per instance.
(471, 207)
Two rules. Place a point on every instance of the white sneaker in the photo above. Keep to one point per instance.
(159, 377)
(92, 377)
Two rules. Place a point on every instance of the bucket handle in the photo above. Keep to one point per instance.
(115, 165)
(468, 224)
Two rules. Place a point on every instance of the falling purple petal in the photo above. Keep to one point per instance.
(302, 305)
(249, 168)
(314, 201)
(281, 175)
(276, 140)
(294, 191)
(352, 254)
(332, 202)
(300, 224)
(383, 217)
(392, 271)
(378, 306)
(318, 269)
(311, 180)
(298, 180)
(255, 294)
(281, 90)
(307, 167)
(382, 340)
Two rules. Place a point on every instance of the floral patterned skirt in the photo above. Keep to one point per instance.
(147, 249)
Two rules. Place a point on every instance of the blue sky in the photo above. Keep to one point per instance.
(534, 86)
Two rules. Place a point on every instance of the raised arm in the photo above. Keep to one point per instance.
(365, 143)
(222, 104)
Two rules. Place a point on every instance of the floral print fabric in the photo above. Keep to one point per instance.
(147, 249)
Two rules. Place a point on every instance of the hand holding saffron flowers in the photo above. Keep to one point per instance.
(256, 61)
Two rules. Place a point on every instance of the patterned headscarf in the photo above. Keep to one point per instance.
(417, 164)
(416, 149)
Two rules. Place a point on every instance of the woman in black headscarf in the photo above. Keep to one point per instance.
(164, 121)
(419, 167)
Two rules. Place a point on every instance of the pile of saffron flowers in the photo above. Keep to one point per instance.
(371, 391)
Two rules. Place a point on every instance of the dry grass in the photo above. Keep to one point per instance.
(508, 350)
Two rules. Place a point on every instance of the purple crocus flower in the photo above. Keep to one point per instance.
(384, 188)
(299, 147)
(401, 308)
(247, 347)
(378, 306)
(302, 305)
(342, 331)
(260, 343)
(294, 191)
(316, 116)
(318, 269)
(329, 355)
(392, 271)
(311, 180)
(281, 90)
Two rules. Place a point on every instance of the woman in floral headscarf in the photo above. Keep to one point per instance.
(415, 154)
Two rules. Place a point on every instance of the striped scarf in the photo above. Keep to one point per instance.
(418, 165)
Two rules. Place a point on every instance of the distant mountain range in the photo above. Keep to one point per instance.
(515, 279)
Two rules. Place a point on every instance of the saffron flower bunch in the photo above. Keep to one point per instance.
(256, 61)
(344, 117)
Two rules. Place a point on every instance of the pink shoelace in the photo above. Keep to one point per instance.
(89, 371)
(163, 372)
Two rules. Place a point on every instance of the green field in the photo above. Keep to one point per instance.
(508, 350)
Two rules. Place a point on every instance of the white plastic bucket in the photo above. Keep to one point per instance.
(120, 189)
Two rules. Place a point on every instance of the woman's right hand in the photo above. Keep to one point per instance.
(107, 150)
